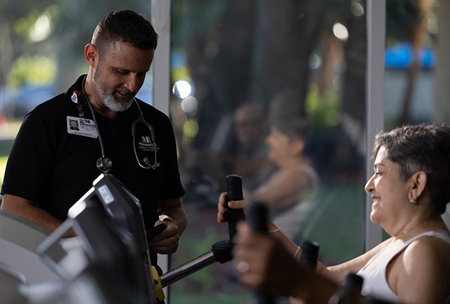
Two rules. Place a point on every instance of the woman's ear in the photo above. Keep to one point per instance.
(419, 181)
(298, 145)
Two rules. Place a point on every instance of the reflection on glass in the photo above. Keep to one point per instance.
(290, 191)
(239, 57)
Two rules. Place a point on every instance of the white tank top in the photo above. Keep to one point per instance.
(375, 281)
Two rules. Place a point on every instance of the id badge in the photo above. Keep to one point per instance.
(81, 126)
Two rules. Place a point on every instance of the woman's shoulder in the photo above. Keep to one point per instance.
(430, 241)
(421, 271)
(431, 249)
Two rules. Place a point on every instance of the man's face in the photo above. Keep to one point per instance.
(120, 74)
(247, 126)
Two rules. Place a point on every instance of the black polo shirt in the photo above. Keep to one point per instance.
(54, 168)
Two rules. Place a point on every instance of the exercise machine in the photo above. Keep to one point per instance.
(108, 261)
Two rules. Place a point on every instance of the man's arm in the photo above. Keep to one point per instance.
(171, 212)
(28, 210)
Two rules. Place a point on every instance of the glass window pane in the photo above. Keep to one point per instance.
(411, 44)
(273, 91)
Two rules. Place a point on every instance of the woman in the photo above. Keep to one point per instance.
(295, 182)
(410, 190)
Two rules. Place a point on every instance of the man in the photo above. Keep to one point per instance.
(74, 125)
(37, 185)
(251, 161)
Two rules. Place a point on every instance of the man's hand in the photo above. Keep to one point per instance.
(167, 241)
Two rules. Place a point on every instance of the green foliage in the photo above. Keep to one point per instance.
(323, 111)
(36, 70)
(30, 25)
(192, 248)
(182, 298)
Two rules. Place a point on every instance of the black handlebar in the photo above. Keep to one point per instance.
(234, 193)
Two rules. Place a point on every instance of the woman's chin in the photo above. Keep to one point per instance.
(373, 217)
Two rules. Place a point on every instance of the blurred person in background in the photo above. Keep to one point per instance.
(292, 187)
(250, 160)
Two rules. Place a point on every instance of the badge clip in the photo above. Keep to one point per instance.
(76, 98)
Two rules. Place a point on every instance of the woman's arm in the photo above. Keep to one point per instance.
(267, 261)
(336, 273)
(283, 188)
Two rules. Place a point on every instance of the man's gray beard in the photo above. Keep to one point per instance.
(113, 103)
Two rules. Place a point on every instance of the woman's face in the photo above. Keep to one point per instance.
(281, 146)
(389, 191)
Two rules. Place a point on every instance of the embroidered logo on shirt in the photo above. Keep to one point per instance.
(146, 144)
(146, 139)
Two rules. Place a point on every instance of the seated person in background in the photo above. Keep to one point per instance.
(250, 160)
(410, 191)
(295, 181)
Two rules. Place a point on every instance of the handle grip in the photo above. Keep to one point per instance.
(258, 215)
(258, 223)
(155, 231)
(234, 193)
(310, 253)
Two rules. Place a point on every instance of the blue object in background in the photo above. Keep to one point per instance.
(400, 56)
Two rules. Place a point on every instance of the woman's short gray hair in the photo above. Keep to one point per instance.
(421, 148)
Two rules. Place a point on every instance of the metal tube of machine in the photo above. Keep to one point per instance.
(221, 251)
(188, 268)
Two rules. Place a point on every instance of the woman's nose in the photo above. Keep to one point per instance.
(369, 185)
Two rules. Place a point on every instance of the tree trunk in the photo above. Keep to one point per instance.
(286, 33)
(417, 36)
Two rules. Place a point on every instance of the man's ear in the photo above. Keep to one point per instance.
(418, 183)
(91, 54)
